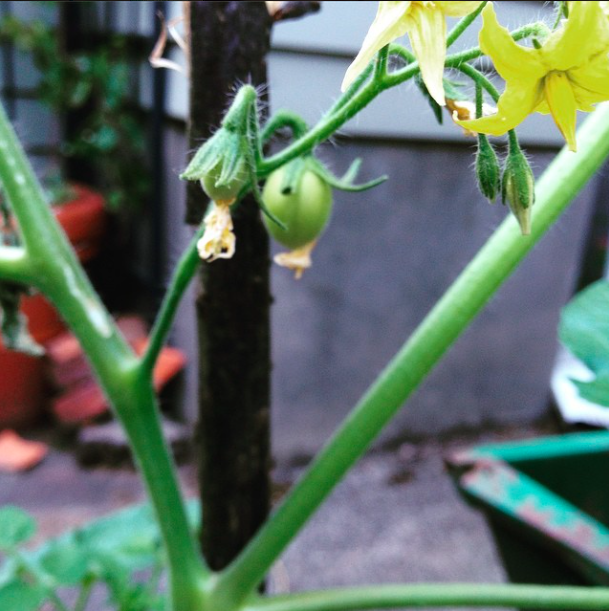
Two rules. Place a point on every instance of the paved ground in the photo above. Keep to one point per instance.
(395, 518)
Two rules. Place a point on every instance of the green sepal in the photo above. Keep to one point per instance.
(221, 162)
(345, 183)
(258, 195)
(435, 107)
(453, 89)
(488, 171)
(293, 174)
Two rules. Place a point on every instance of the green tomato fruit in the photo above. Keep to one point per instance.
(225, 192)
(305, 210)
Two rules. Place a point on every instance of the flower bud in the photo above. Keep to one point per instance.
(221, 163)
(487, 169)
(518, 187)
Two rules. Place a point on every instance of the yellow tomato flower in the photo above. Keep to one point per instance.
(425, 24)
(569, 72)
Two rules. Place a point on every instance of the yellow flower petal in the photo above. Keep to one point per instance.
(388, 25)
(584, 34)
(458, 9)
(511, 61)
(561, 100)
(591, 82)
(514, 106)
(427, 33)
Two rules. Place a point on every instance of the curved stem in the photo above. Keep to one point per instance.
(283, 118)
(182, 276)
(479, 79)
(448, 319)
(439, 595)
(463, 24)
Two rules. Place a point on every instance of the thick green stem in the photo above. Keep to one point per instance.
(447, 320)
(137, 408)
(51, 265)
(439, 595)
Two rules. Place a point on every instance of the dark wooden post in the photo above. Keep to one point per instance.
(229, 43)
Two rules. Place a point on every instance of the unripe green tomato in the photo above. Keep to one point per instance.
(305, 211)
(226, 192)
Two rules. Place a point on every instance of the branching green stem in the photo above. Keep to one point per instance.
(447, 320)
(364, 89)
(49, 263)
(439, 595)
(479, 79)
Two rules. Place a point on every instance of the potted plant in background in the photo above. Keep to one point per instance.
(86, 83)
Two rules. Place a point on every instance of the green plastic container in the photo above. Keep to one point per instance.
(547, 502)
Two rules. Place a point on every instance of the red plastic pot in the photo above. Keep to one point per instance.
(22, 386)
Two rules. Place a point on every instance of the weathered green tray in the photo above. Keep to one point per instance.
(547, 501)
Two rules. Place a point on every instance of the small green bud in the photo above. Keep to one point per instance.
(221, 163)
(518, 187)
(488, 171)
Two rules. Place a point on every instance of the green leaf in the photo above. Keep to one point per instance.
(20, 596)
(16, 526)
(584, 326)
(596, 391)
(584, 330)
(68, 564)
(131, 536)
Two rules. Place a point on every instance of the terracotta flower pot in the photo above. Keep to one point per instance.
(22, 386)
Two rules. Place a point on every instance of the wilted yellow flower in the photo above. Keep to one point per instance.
(464, 110)
(425, 24)
(569, 72)
(298, 259)
(218, 241)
